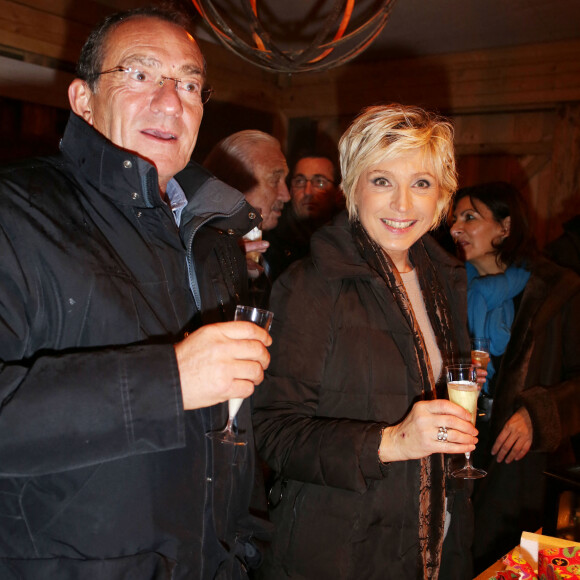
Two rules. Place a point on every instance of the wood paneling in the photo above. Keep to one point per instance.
(562, 183)
(516, 110)
(502, 79)
(537, 151)
(511, 78)
(55, 30)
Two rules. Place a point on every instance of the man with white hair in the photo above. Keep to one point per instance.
(252, 161)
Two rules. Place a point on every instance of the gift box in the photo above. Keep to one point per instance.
(505, 575)
(516, 562)
(531, 545)
(559, 563)
(541, 557)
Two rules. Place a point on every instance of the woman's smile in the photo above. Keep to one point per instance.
(397, 203)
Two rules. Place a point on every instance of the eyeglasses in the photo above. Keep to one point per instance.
(317, 181)
(146, 80)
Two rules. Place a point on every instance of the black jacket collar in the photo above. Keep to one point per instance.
(130, 180)
(114, 172)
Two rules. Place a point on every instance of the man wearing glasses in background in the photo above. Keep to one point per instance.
(315, 198)
(119, 262)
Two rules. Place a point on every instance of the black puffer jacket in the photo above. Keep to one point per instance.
(102, 473)
(343, 366)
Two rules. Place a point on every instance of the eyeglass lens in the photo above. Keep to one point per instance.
(317, 181)
(145, 80)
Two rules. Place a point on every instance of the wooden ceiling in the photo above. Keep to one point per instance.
(416, 27)
(452, 54)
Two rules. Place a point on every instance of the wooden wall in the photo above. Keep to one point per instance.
(538, 151)
(516, 110)
(516, 113)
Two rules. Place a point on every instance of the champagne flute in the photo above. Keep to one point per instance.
(463, 390)
(264, 319)
(480, 354)
(480, 351)
(253, 235)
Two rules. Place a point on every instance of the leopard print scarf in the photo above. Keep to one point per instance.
(432, 471)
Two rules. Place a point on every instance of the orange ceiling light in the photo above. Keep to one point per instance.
(343, 31)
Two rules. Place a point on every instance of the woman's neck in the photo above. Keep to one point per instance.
(488, 265)
(400, 260)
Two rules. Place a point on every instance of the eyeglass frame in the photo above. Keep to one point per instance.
(204, 94)
(322, 178)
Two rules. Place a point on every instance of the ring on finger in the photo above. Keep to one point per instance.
(442, 434)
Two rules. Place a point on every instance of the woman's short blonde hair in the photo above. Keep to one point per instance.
(388, 131)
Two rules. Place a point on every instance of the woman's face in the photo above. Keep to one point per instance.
(475, 230)
(396, 201)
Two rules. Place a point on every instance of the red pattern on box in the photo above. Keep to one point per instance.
(559, 564)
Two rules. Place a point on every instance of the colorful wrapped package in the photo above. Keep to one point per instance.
(559, 563)
(515, 562)
(505, 575)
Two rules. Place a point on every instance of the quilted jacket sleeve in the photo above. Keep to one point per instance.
(292, 437)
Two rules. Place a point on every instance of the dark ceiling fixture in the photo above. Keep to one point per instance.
(340, 31)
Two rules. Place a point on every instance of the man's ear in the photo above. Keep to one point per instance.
(79, 96)
(506, 225)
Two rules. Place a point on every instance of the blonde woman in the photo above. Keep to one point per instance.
(350, 416)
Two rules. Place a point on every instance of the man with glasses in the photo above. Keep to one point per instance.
(119, 262)
(315, 198)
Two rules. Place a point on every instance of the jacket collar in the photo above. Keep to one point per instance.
(334, 253)
(113, 171)
(209, 198)
(130, 180)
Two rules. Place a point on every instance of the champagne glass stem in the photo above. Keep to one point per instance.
(230, 424)
(468, 460)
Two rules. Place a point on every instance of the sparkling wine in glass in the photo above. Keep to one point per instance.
(463, 390)
(253, 235)
(480, 351)
(264, 319)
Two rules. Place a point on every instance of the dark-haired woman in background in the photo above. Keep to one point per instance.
(529, 308)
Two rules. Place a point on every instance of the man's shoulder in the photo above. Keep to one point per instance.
(28, 163)
(207, 193)
(550, 275)
(30, 171)
(32, 183)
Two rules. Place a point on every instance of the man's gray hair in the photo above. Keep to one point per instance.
(232, 159)
(92, 54)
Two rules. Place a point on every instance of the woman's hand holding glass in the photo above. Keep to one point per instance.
(417, 435)
(481, 375)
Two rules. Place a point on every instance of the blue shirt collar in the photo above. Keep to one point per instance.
(177, 199)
